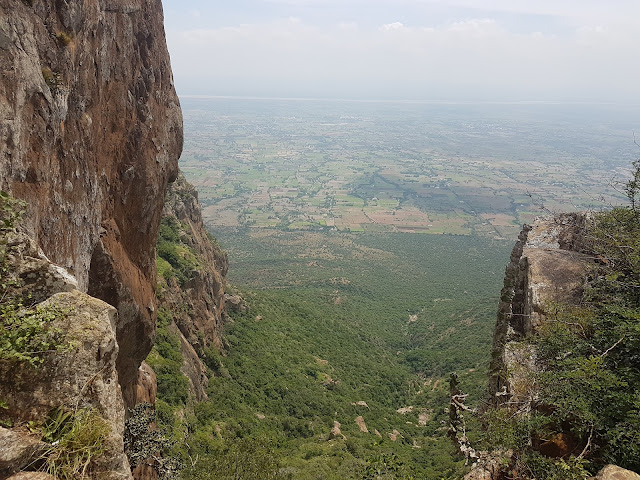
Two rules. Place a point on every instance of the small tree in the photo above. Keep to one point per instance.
(632, 189)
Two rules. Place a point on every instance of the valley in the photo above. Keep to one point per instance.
(369, 242)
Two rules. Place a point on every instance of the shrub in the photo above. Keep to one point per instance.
(63, 38)
(26, 334)
(143, 443)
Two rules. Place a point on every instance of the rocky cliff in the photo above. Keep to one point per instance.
(90, 134)
(563, 337)
(547, 266)
(191, 287)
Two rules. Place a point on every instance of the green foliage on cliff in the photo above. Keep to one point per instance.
(174, 257)
(26, 334)
(166, 360)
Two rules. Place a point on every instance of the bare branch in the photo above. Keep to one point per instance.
(606, 352)
(586, 447)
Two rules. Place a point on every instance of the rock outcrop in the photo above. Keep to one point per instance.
(197, 306)
(90, 134)
(547, 266)
(18, 450)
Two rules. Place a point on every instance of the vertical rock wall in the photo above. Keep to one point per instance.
(547, 265)
(90, 134)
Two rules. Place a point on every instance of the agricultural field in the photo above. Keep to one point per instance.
(388, 167)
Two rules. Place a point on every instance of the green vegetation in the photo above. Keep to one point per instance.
(174, 258)
(77, 439)
(355, 312)
(166, 360)
(51, 78)
(336, 319)
(64, 39)
(26, 334)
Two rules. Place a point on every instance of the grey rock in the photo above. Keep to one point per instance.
(84, 375)
(18, 450)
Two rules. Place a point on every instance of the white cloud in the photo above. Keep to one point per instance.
(469, 59)
(387, 27)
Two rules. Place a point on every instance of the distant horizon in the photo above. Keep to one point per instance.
(410, 101)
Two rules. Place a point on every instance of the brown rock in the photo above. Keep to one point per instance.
(90, 134)
(361, 424)
(612, 472)
(147, 386)
(197, 307)
(18, 449)
(193, 369)
(559, 445)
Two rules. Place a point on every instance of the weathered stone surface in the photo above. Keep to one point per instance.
(361, 424)
(336, 432)
(147, 386)
(193, 369)
(17, 450)
(612, 472)
(488, 468)
(547, 265)
(200, 318)
(235, 303)
(90, 134)
(35, 277)
(31, 476)
(83, 376)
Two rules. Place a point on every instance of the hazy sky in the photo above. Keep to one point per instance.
(434, 50)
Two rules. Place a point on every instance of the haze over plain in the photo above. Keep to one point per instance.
(424, 50)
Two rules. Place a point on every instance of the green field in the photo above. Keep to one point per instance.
(385, 167)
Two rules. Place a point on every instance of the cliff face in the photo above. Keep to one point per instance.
(197, 300)
(551, 264)
(90, 134)
(547, 267)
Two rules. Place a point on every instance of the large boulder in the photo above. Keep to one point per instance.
(612, 472)
(82, 375)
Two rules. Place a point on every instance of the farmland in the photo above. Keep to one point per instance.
(384, 167)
